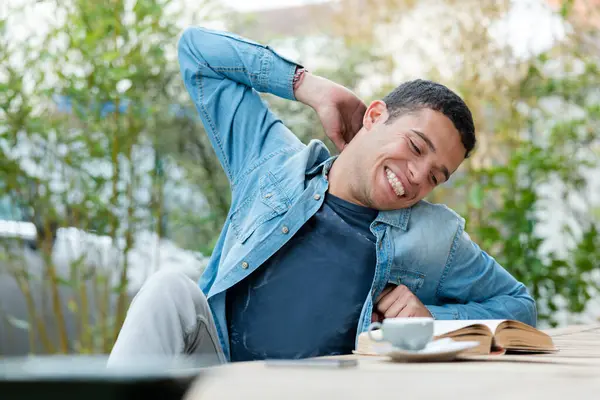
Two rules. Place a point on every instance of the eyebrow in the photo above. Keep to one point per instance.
(433, 149)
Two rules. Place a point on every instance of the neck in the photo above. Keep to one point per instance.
(340, 177)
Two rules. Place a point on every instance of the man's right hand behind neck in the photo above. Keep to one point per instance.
(339, 109)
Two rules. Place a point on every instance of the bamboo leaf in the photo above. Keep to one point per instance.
(18, 323)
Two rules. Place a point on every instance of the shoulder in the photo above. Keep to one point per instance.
(427, 240)
(287, 166)
(447, 226)
(436, 214)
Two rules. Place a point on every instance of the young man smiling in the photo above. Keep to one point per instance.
(315, 247)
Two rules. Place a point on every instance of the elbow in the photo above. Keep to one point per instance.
(527, 311)
(530, 311)
(190, 54)
(194, 39)
(185, 45)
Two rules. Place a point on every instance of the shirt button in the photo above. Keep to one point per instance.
(285, 229)
(317, 196)
(245, 265)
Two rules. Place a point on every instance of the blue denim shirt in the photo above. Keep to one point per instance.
(278, 183)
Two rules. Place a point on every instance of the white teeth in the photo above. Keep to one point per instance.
(395, 182)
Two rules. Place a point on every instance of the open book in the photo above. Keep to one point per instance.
(495, 336)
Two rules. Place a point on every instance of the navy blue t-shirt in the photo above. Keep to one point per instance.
(306, 300)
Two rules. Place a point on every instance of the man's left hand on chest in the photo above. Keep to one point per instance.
(399, 302)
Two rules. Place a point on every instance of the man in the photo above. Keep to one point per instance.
(316, 247)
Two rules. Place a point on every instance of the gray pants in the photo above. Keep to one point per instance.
(168, 318)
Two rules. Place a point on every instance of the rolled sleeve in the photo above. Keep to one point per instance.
(278, 75)
(442, 313)
(223, 74)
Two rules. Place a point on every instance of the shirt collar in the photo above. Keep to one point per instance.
(322, 168)
(396, 218)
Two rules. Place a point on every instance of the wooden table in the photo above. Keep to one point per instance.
(571, 374)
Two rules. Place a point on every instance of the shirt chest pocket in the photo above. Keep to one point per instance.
(262, 204)
(413, 280)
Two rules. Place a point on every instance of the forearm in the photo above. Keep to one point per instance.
(475, 286)
(223, 75)
(219, 55)
(311, 89)
(520, 307)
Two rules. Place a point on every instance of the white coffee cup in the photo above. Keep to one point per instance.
(404, 333)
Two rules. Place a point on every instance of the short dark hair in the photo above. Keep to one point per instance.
(418, 94)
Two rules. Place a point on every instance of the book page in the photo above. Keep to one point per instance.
(444, 327)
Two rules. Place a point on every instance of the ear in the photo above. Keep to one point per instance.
(377, 112)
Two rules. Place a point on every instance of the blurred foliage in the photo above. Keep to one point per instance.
(537, 119)
(98, 133)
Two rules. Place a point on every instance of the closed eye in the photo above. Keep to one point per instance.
(415, 148)
(434, 179)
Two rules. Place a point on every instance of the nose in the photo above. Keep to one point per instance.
(418, 172)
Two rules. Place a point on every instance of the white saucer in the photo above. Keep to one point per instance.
(438, 350)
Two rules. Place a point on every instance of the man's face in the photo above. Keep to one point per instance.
(399, 163)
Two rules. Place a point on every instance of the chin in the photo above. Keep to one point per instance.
(387, 206)
(400, 204)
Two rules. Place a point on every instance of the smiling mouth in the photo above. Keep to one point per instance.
(394, 182)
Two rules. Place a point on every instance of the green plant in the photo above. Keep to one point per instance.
(537, 120)
(85, 115)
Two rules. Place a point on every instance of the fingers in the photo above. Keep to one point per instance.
(357, 118)
(395, 309)
(414, 308)
(407, 312)
(400, 302)
(384, 292)
(355, 122)
(338, 141)
(376, 317)
(386, 300)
